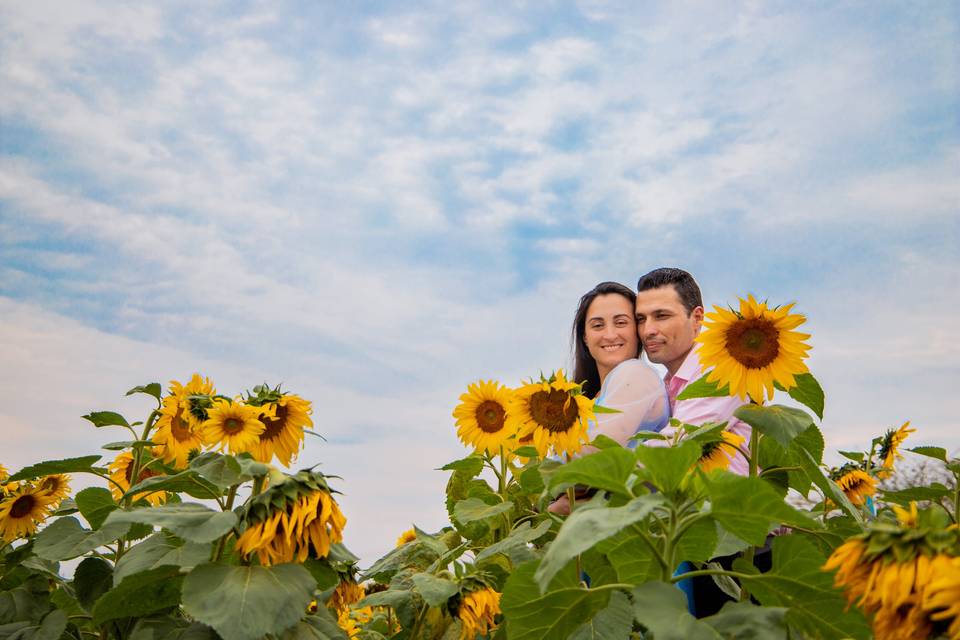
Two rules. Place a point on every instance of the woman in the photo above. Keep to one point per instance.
(605, 359)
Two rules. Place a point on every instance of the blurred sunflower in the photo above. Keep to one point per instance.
(752, 348)
(407, 536)
(554, 412)
(718, 454)
(855, 483)
(941, 599)
(177, 433)
(121, 472)
(284, 420)
(292, 520)
(478, 610)
(347, 592)
(890, 448)
(22, 510)
(484, 419)
(233, 426)
(58, 486)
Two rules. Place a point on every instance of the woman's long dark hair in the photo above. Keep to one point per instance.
(584, 366)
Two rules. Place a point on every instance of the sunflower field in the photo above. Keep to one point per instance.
(197, 534)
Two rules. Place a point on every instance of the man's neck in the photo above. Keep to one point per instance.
(674, 365)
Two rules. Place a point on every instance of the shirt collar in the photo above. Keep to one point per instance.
(690, 369)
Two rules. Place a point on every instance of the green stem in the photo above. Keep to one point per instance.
(572, 499)
(751, 551)
(221, 545)
(711, 572)
(653, 546)
(416, 626)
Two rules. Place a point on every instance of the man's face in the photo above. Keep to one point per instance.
(665, 328)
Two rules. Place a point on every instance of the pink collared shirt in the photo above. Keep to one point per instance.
(700, 410)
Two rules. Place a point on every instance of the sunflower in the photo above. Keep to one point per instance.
(890, 448)
(58, 486)
(22, 510)
(121, 470)
(189, 397)
(234, 426)
(554, 412)
(942, 597)
(907, 519)
(407, 536)
(284, 421)
(177, 433)
(348, 592)
(484, 418)
(291, 521)
(718, 454)
(855, 483)
(478, 610)
(752, 348)
(3, 474)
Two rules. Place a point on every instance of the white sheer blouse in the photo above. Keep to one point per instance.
(635, 389)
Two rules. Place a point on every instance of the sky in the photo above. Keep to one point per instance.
(377, 204)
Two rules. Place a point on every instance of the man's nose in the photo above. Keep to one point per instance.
(648, 329)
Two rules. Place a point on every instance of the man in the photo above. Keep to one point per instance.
(669, 317)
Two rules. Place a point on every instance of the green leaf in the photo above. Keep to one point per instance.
(321, 625)
(700, 388)
(190, 521)
(168, 628)
(471, 465)
(188, 481)
(92, 579)
(434, 591)
(139, 595)
(50, 628)
(615, 621)
(935, 492)
(550, 616)
(631, 558)
(50, 467)
(741, 620)
(153, 389)
(607, 469)
(414, 555)
(828, 486)
(325, 576)
(586, 527)
(526, 451)
(856, 456)
(222, 470)
(746, 507)
(127, 444)
(605, 442)
(531, 481)
(598, 408)
(807, 392)
(519, 537)
(161, 549)
(668, 466)
(474, 509)
(401, 601)
(698, 542)
(796, 581)
(938, 453)
(662, 609)
(727, 543)
(66, 538)
(245, 603)
(106, 419)
(776, 421)
(95, 503)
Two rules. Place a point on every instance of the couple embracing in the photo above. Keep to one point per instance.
(612, 327)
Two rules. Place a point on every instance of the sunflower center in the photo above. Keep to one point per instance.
(554, 410)
(490, 416)
(180, 428)
(51, 484)
(23, 506)
(753, 342)
(232, 426)
(273, 425)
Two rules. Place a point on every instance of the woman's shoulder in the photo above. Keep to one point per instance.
(635, 369)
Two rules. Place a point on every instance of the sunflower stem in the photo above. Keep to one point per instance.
(222, 543)
(751, 551)
(572, 500)
(416, 625)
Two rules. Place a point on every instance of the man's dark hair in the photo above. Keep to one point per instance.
(681, 281)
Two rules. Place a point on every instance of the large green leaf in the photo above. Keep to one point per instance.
(475, 509)
(698, 542)
(615, 621)
(668, 466)
(161, 549)
(727, 543)
(937, 453)
(245, 603)
(190, 521)
(632, 560)
(106, 419)
(773, 455)
(140, 595)
(92, 578)
(50, 467)
(321, 625)
(829, 488)
(662, 609)
(188, 481)
(224, 471)
(586, 527)
(743, 621)
(414, 555)
(797, 581)
(700, 388)
(50, 628)
(935, 491)
(169, 628)
(66, 538)
(95, 504)
(471, 465)
(402, 601)
(776, 421)
(550, 616)
(807, 392)
(435, 591)
(519, 537)
(746, 507)
(607, 469)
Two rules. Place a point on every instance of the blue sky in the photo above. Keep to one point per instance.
(378, 204)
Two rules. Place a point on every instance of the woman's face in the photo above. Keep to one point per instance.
(610, 331)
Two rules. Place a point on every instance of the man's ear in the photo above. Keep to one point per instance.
(697, 314)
